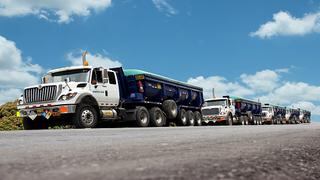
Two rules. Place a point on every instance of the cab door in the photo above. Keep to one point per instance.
(104, 87)
(112, 88)
(97, 86)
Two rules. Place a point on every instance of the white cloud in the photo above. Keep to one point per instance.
(15, 73)
(307, 106)
(221, 85)
(164, 6)
(262, 81)
(93, 59)
(291, 92)
(284, 24)
(61, 11)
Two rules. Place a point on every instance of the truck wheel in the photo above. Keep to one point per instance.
(255, 120)
(198, 118)
(190, 117)
(156, 117)
(229, 120)
(242, 120)
(170, 108)
(28, 124)
(182, 117)
(142, 117)
(86, 117)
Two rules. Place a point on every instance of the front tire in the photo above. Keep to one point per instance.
(86, 117)
(229, 120)
(198, 118)
(28, 124)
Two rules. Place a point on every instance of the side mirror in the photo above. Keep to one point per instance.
(66, 80)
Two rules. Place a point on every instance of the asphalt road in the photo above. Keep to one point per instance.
(238, 152)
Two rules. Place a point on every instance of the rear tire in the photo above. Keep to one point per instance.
(182, 117)
(157, 117)
(198, 118)
(170, 108)
(190, 117)
(242, 120)
(85, 117)
(142, 117)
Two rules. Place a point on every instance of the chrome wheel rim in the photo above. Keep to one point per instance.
(143, 118)
(159, 118)
(87, 116)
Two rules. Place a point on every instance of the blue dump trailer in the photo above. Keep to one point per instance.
(248, 111)
(151, 99)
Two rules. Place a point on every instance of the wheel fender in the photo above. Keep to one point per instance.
(89, 99)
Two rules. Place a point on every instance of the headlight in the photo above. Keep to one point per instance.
(20, 100)
(67, 96)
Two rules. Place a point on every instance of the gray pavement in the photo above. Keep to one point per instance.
(220, 152)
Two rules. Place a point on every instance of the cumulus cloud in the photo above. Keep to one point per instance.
(221, 85)
(262, 81)
(164, 6)
(15, 72)
(61, 11)
(94, 60)
(284, 24)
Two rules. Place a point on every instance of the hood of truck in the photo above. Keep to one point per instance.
(51, 92)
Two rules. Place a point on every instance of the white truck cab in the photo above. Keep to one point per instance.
(218, 110)
(62, 89)
(268, 114)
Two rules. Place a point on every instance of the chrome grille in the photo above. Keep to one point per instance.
(213, 111)
(45, 93)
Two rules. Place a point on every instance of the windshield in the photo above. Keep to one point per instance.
(216, 102)
(78, 75)
(266, 109)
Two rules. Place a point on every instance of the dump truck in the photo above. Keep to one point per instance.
(305, 116)
(292, 115)
(273, 114)
(232, 110)
(88, 95)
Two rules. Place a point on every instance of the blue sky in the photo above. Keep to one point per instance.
(219, 43)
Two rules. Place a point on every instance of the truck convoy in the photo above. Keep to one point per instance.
(273, 114)
(232, 110)
(89, 94)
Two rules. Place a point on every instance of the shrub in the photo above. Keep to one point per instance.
(8, 119)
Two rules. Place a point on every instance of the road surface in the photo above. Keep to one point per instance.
(237, 152)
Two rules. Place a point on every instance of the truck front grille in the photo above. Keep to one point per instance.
(41, 94)
(213, 111)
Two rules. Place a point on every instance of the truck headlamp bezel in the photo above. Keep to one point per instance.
(67, 97)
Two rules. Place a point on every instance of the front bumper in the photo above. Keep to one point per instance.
(213, 118)
(266, 119)
(46, 111)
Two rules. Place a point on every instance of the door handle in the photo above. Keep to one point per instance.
(106, 93)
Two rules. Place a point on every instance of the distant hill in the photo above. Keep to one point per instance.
(8, 119)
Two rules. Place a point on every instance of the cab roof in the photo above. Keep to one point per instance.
(69, 68)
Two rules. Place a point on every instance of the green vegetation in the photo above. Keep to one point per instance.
(8, 118)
